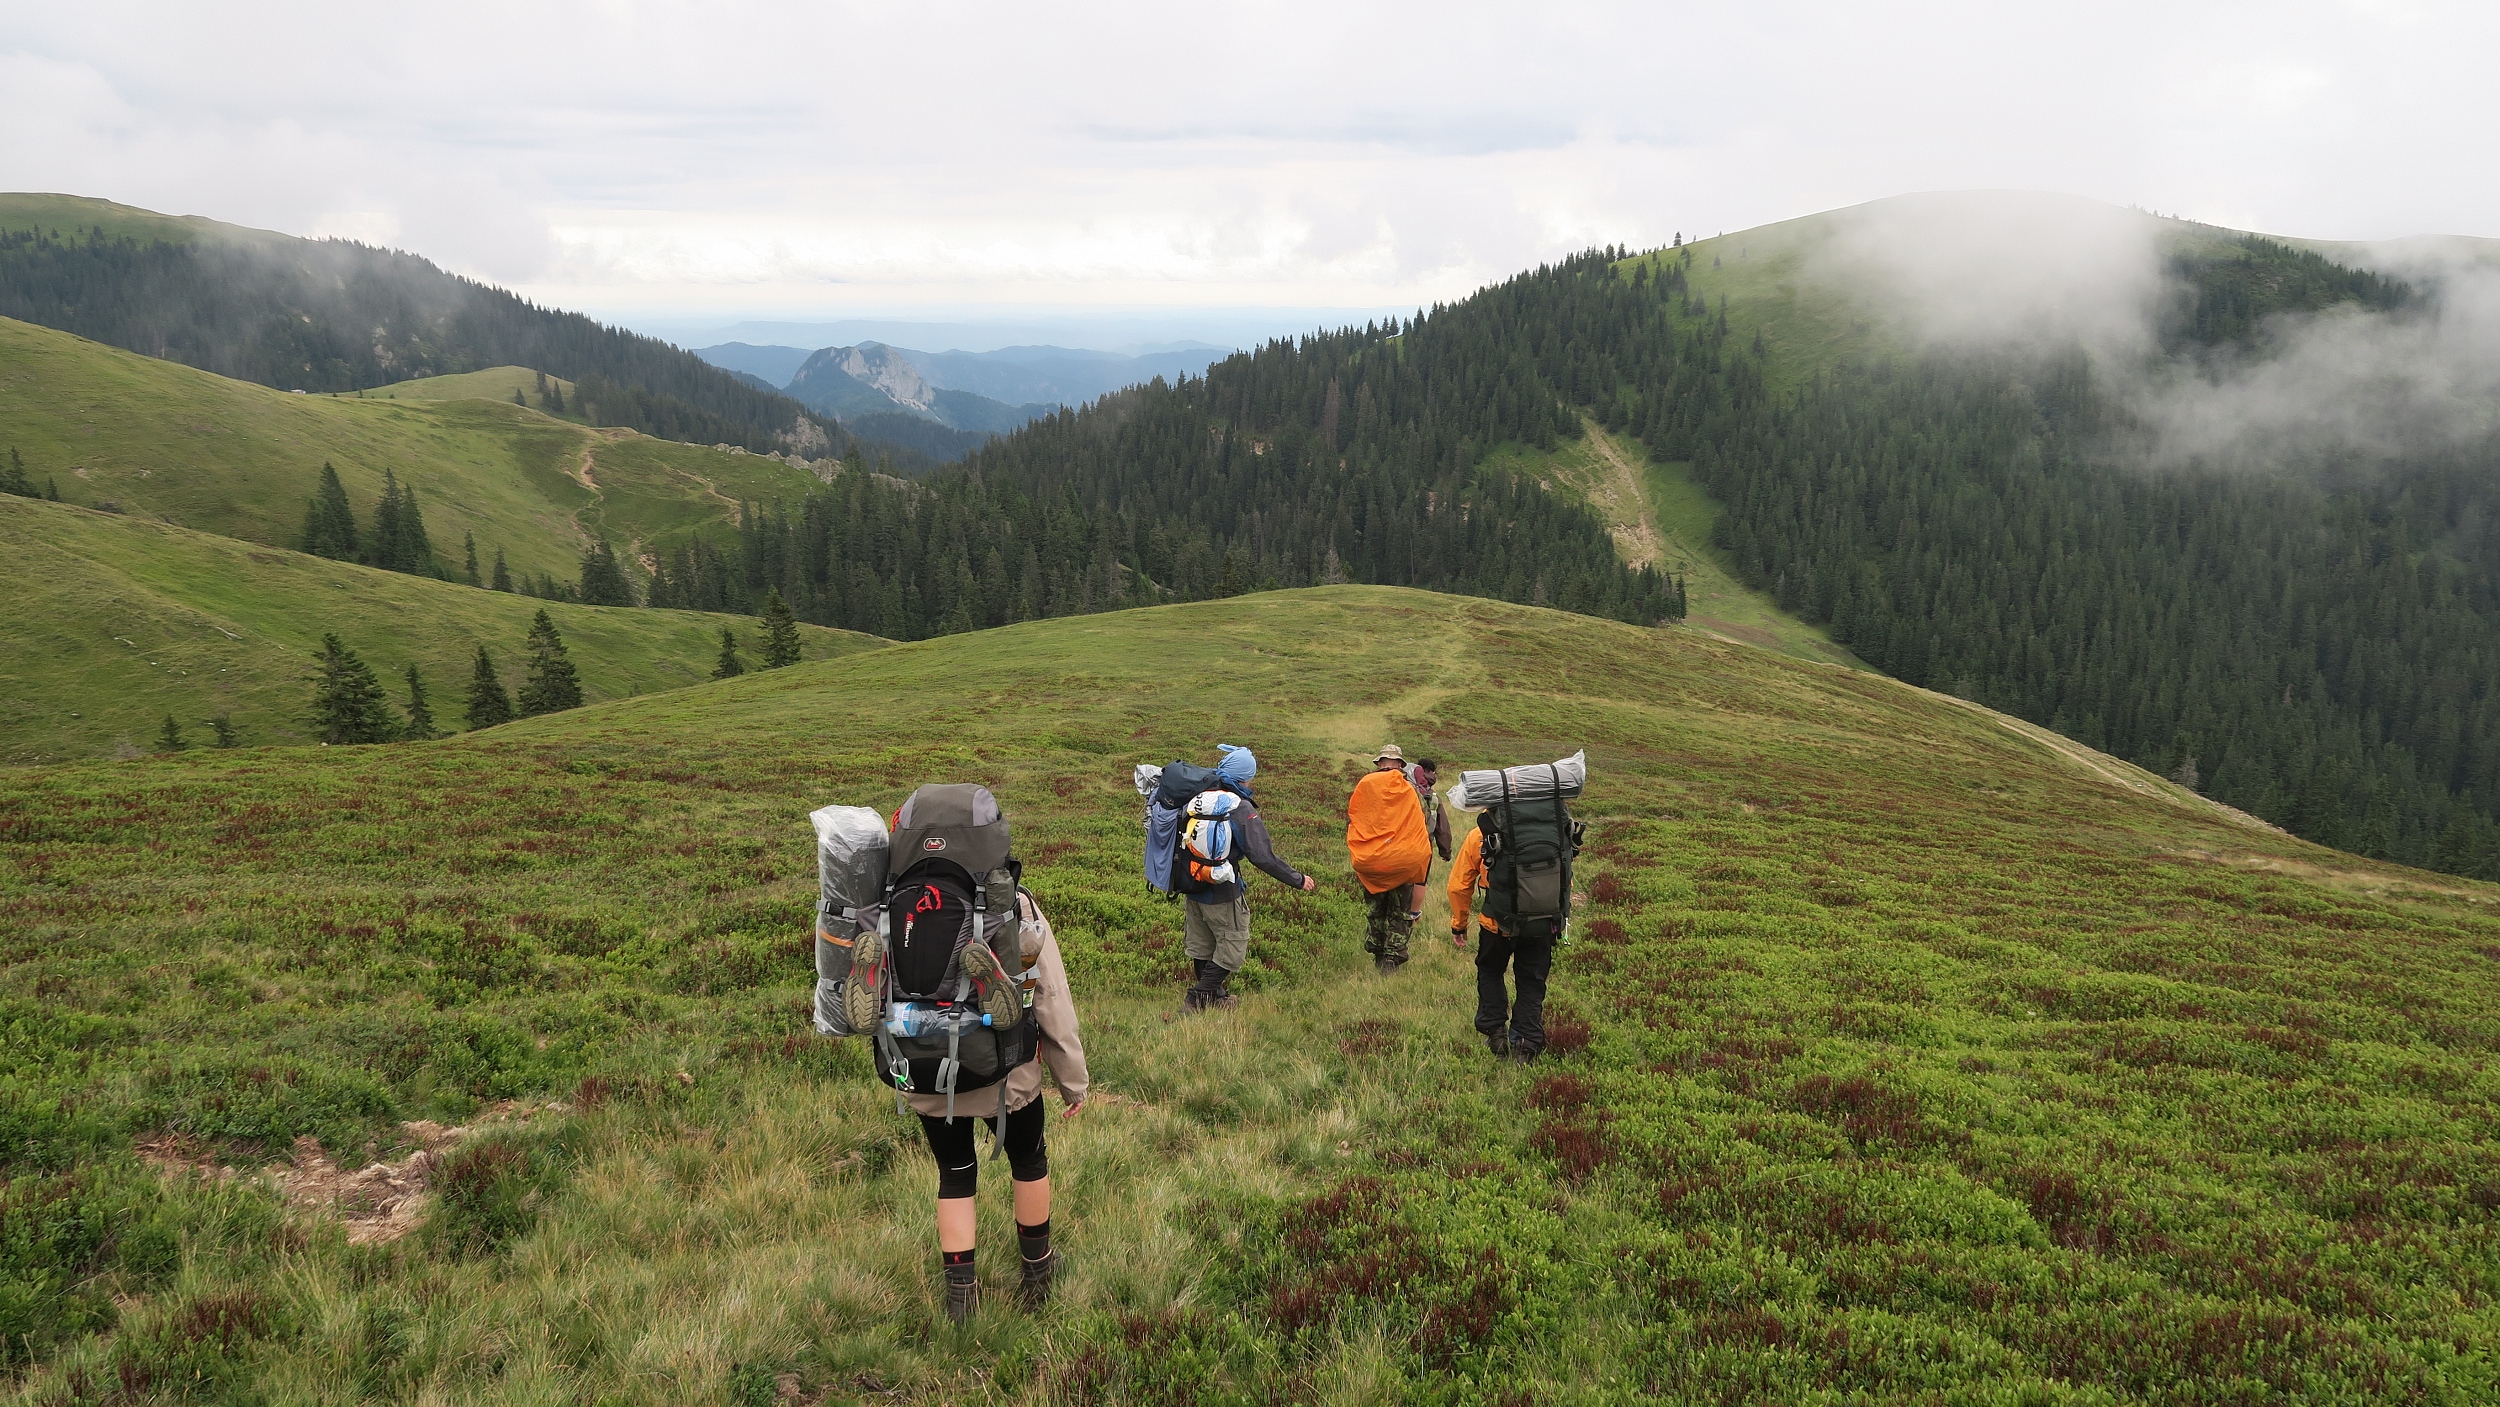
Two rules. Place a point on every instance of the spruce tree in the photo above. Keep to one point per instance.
(329, 524)
(51, 489)
(348, 704)
(729, 666)
(603, 579)
(411, 549)
(420, 718)
(488, 703)
(552, 684)
(781, 633)
(518, 399)
(382, 544)
(222, 727)
(170, 739)
(468, 551)
(13, 479)
(502, 579)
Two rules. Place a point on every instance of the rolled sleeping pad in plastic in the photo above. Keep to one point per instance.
(850, 867)
(1530, 783)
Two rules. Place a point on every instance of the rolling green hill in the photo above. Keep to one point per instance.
(1902, 1054)
(116, 622)
(166, 441)
(70, 214)
(495, 383)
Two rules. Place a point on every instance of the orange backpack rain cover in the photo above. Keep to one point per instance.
(1385, 832)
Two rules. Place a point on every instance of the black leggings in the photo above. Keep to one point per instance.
(959, 1162)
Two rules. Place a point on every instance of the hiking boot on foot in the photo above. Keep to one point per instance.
(1389, 965)
(859, 999)
(1195, 999)
(991, 986)
(1522, 1054)
(1034, 1291)
(963, 1297)
(1223, 1001)
(1499, 1044)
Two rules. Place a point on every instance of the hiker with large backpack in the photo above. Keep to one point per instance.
(1201, 823)
(1515, 864)
(1392, 853)
(1426, 775)
(955, 976)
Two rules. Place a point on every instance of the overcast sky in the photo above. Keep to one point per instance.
(659, 162)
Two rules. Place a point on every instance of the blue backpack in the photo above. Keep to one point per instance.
(1191, 841)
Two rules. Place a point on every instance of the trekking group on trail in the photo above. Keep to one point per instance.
(929, 945)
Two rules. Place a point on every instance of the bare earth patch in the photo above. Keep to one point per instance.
(379, 1202)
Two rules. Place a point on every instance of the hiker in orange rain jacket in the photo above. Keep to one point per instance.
(1392, 852)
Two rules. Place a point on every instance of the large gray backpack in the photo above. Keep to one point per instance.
(951, 883)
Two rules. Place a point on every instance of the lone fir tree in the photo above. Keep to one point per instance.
(781, 633)
(221, 728)
(468, 550)
(553, 684)
(170, 738)
(729, 666)
(502, 580)
(488, 703)
(348, 703)
(420, 718)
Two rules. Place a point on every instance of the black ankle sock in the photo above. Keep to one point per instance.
(1033, 1241)
(959, 1267)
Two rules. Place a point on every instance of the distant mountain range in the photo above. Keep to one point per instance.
(982, 393)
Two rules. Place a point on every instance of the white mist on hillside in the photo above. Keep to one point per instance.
(2015, 273)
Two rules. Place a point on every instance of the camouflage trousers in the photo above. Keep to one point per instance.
(1386, 927)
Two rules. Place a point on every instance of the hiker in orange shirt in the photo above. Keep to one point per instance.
(1514, 1031)
(1392, 853)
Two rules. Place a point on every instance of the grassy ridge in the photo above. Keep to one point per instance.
(495, 383)
(241, 460)
(1660, 517)
(1899, 1057)
(116, 622)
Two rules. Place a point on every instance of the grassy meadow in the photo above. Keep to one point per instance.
(117, 622)
(159, 440)
(1897, 1056)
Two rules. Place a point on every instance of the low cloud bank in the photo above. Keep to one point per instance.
(2005, 273)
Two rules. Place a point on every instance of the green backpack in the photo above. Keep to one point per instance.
(1528, 848)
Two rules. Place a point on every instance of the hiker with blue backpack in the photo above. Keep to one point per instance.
(1201, 823)
(928, 942)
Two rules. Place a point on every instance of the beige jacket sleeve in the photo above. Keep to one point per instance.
(1062, 1048)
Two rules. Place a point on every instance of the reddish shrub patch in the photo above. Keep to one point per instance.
(1566, 1035)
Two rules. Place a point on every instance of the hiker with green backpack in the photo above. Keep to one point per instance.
(928, 942)
(1516, 867)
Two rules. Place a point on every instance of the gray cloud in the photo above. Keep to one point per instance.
(821, 158)
(2001, 272)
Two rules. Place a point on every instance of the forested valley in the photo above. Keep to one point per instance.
(2318, 645)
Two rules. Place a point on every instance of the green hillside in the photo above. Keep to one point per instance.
(496, 383)
(1661, 518)
(71, 214)
(116, 622)
(166, 441)
(1901, 1055)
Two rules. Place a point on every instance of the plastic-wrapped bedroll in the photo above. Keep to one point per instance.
(850, 865)
(1529, 783)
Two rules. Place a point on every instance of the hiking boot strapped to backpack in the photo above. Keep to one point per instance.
(1529, 843)
(941, 973)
